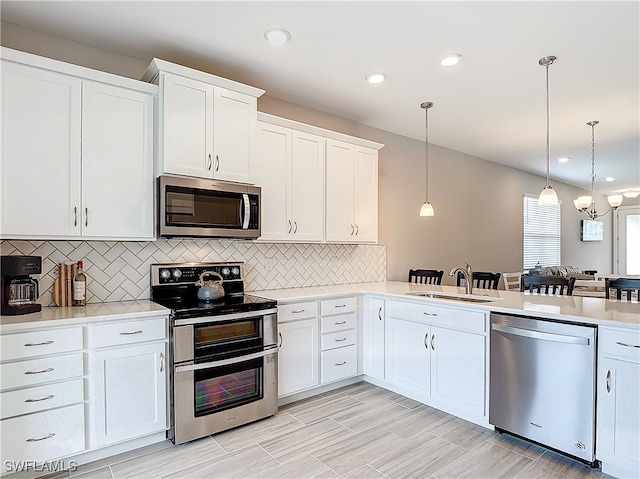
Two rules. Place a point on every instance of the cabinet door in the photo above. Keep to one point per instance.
(235, 116)
(307, 186)
(365, 195)
(40, 162)
(271, 172)
(128, 393)
(458, 364)
(117, 149)
(407, 356)
(298, 356)
(186, 126)
(374, 338)
(339, 192)
(618, 423)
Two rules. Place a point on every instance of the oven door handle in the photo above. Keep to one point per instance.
(226, 362)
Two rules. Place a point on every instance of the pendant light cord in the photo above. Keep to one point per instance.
(548, 121)
(426, 153)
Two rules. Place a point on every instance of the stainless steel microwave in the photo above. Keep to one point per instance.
(194, 207)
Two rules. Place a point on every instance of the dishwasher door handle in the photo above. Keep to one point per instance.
(528, 333)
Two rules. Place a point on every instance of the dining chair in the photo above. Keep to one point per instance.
(548, 285)
(627, 285)
(512, 281)
(481, 279)
(425, 276)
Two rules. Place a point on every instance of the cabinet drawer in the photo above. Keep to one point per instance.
(339, 363)
(36, 371)
(339, 322)
(338, 306)
(473, 321)
(288, 312)
(43, 436)
(115, 334)
(624, 344)
(39, 343)
(339, 339)
(28, 400)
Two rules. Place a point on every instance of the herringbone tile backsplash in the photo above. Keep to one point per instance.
(119, 271)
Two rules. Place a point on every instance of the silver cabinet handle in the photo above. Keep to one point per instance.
(48, 370)
(210, 163)
(289, 232)
(126, 333)
(298, 311)
(340, 340)
(433, 336)
(340, 306)
(429, 314)
(75, 216)
(280, 336)
(46, 398)
(217, 163)
(357, 229)
(380, 313)
(341, 364)
(161, 362)
(44, 343)
(340, 322)
(352, 230)
(426, 338)
(295, 229)
(609, 381)
(36, 439)
(628, 345)
(86, 216)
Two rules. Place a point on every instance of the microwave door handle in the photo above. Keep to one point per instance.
(247, 211)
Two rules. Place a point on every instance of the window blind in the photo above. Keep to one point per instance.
(541, 235)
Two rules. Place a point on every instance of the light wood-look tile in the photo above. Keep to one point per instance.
(102, 473)
(364, 472)
(307, 467)
(485, 461)
(368, 415)
(462, 433)
(125, 456)
(415, 423)
(551, 464)
(515, 444)
(314, 411)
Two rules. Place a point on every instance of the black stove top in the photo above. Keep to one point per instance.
(192, 307)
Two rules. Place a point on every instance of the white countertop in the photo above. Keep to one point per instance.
(92, 312)
(573, 308)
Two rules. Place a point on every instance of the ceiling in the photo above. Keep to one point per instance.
(491, 105)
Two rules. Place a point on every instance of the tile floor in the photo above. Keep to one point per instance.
(360, 431)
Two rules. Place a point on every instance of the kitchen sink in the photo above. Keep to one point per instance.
(466, 298)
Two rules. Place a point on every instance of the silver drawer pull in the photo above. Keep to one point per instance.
(340, 306)
(44, 343)
(50, 396)
(298, 312)
(340, 340)
(36, 439)
(48, 370)
(429, 314)
(341, 322)
(139, 331)
(341, 364)
(628, 345)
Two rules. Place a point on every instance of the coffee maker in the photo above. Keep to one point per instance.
(19, 290)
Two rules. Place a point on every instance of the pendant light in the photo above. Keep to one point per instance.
(426, 209)
(548, 195)
(587, 204)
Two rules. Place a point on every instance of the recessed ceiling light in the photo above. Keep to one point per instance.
(564, 159)
(277, 36)
(451, 59)
(631, 194)
(609, 179)
(376, 77)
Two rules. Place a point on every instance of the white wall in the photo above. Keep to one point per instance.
(478, 203)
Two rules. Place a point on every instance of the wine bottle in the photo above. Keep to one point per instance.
(80, 287)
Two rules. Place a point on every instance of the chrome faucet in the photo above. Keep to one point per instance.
(468, 276)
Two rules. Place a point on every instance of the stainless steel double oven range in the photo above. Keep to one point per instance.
(224, 353)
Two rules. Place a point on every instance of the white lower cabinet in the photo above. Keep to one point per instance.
(373, 338)
(618, 392)
(408, 356)
(339, 338)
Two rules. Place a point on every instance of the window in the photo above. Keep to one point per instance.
(541, 233)
(627, 238)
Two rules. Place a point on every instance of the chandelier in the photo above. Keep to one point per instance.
(587, 204)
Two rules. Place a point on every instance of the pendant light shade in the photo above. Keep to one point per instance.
(548, 195)
(426, 209)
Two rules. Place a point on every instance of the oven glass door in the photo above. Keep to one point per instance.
(224, 387)
(227, 338)
(202, 208)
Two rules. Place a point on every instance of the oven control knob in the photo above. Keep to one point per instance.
(225, 272)
(236, 271)
(165, 273)
(177, 273)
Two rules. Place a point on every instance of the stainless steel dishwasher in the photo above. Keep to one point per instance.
(543, 384)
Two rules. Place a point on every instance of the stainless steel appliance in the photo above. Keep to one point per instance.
(224, 352)
(543, 385)
(197, 207)
(19, 290)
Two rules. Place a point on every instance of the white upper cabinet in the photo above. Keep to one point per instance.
(80, 142)
(351, 193)
(206, 125)
(289, 167)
